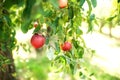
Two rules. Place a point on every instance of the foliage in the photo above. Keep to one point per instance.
(60, 25)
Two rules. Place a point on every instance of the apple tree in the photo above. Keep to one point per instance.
(57, 27)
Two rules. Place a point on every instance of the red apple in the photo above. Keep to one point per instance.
(37, 40)
(66, 46)
(63, 3)
(35, 24)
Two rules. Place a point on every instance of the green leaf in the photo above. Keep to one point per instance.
(94, 3)
(56, 22)
(71, 23)
(72, 68)
(90, 27)
(82, 2)
(75, 43)
(61, 58)
(92, 74)
(28, 8)
(70, 12)
(80, 73)
(8, 3)
(1, 22)
(60, 33)
(19, 2)
(79, 31)
(111, 18)
(41, 9)
(57, 47)
(3, 47)
(80, 52)
(54, 25)
(118, 1)
(47, 40)
(90, 7)
(25, 26)
(92, 17)
(48, 13)
(36, 30)
(8, 20)
(54, 3)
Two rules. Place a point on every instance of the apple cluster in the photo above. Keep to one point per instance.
(38, 41)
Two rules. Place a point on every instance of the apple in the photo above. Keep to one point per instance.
(37, 40)
(66, 46)
(35, 24)
(62, 3)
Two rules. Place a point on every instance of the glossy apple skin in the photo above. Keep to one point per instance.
(37, 41)
(63, 3)
(66, 46)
